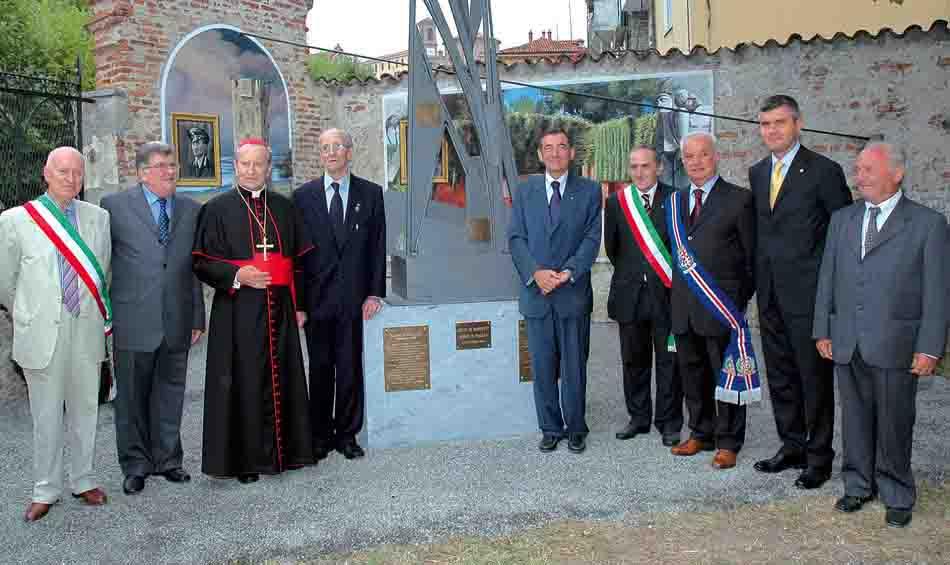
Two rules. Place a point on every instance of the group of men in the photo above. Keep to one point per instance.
(71, 273)
(857, 290)
(869, 277)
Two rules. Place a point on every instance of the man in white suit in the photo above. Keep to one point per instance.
(54, 252)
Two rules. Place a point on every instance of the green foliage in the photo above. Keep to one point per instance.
(526, 128)
(609, 144)
(524, 105)
(44, 37)
(327, 66)
(644, 130)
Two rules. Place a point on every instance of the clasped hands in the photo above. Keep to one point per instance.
(548, 279)
(251, 276)
(922, 365)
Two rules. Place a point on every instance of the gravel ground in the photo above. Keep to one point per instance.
(405, 495)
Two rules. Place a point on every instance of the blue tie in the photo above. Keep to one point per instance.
(162, 221)
(554, 207)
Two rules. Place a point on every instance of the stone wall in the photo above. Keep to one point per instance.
(891, 86)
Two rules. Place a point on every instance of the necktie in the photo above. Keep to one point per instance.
(336, 212)
(697, 206)
(871, 234)
(776, 183)
(646, 203)
(554, 207)
(162, 221)
(69, 280)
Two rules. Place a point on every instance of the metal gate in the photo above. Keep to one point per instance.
(37, 114)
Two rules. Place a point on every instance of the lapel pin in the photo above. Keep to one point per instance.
(356, 207)
(801, 171)
(356, 227)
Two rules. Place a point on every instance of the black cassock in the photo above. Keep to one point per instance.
(256, 415)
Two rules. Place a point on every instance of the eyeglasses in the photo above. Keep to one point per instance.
(332, 148)
(160, 166)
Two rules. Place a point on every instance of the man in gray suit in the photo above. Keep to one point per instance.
(159, 313)
(554, 238)
(881, 316)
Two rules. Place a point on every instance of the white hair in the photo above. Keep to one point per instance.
(347, 138)
(65, 150)
(697, 135)
(896, 156)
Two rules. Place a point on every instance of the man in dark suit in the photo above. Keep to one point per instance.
(721, 232)
(639, 299)
(158, 314)
(201, 164)
(881, 316)
(346, 282)
(554, 237)
(795, 192)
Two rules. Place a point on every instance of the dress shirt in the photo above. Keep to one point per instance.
(786, 160)
(152, 200)
(706, 188)
(650, 193)
(344, 190)
(886, 208)
(548, 179)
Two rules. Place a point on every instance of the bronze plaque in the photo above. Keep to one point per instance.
(406, 354)
(429, 114)
(524, 356)
(479, 229)
(473, 335)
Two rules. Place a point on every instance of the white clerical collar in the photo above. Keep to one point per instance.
(254, 193)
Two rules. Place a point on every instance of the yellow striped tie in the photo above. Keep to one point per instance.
(776, 183)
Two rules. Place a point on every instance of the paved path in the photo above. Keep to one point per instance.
(407, 495)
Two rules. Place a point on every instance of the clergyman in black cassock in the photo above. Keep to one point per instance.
(256, 416)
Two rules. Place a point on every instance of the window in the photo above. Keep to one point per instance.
(668, 14)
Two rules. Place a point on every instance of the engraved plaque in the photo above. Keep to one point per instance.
(473, 335)
(524, 356)
(479, 229)
(406, 354)
(429, 115)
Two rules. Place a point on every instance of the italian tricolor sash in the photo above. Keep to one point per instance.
(739, 376)
(70, 244)
(648, 240)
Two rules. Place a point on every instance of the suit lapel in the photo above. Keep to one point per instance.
(354, 204)
(568, 201)
(541, 190)
(711, 205)
(854, 231)
(893, 226)
(793, 175)
(140, 207)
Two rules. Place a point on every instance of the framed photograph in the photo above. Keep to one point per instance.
(441, 166)
(197, 139)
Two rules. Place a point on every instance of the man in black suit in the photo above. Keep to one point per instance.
(639, 299)
(721, 232)
(201, 164)
(795, 191)
(346, 282)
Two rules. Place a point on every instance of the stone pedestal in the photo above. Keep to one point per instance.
(472, 393)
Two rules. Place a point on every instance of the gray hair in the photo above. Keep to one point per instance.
(145, 151)
(347, 138)
(697, 135)
(896, 156)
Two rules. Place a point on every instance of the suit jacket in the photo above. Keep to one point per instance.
(155, 294)
(30, 286)
(339, 275)
(190, 170)
(634, 280)
(723, 241)
(791, 237)
(892, 303)
(572, 243)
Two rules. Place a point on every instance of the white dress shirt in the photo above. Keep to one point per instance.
(344, 190)
(886, 208)
(706, 188)
(548, 179)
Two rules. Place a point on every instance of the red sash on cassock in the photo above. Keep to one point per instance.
(280, 269)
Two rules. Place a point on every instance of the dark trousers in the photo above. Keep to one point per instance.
(335, 348)
(878, 409)
(559, 349)
(150, 392)
(801, 385)
(700, 360)
(640, 341)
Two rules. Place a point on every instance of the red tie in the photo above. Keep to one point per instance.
(697, 206)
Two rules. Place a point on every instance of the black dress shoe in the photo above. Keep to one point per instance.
(351, 450)
(812, 477)
(133, 484)
(176, 475)
(549, 443)
(849, 504)
(780, 463)
(630, 431)
(671, 440)
(577, 443)
(248, 478)
(898, 518)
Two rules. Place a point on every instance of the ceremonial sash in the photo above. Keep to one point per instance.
(61, 233)
(280, 268)
(649, 242)
(739, 375)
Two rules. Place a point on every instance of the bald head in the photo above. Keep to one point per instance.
(63, 173)
(879, 170)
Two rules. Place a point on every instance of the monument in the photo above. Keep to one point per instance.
(446, 360)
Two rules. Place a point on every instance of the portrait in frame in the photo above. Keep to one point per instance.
(442, 163)
(197, 140)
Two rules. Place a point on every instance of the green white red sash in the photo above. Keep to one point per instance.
(61, 233)
(648, 240)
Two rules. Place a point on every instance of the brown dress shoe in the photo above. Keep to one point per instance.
(36, 510)
(93, 497)
(690, 447)
(724, 459)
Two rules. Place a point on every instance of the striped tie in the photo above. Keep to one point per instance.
(162, 221)
(68, 279)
